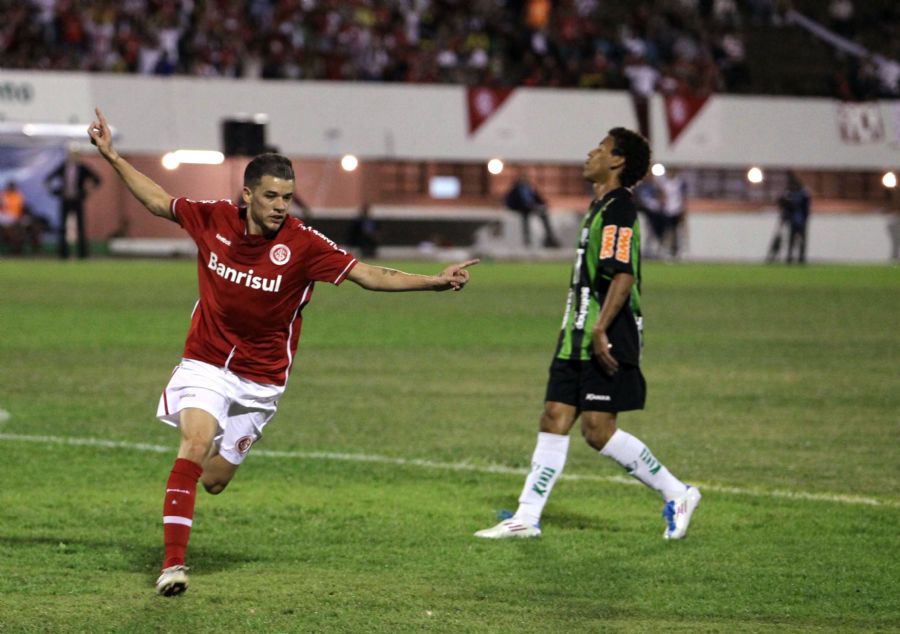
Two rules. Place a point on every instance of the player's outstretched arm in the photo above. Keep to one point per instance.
(379, 278)
(150, 194)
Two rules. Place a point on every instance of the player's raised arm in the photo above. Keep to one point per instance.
(378, 278)
(148, 192)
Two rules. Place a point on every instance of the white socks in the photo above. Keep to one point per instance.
(550, 457)
(637, 460)
(546, 466)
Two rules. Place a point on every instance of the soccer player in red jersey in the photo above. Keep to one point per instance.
(257, 268)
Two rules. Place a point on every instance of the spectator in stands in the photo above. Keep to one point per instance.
(524, 199)
(762, 12)
(643, 80)
(841, 15)
(733, 62)
(363, 233)
(725, 13)
(72, 182)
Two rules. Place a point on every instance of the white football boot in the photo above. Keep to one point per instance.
(678, 512)
(172, 581)
(512, 527)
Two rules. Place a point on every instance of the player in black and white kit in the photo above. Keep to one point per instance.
(595, 373)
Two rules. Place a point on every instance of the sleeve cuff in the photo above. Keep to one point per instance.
(345, 272)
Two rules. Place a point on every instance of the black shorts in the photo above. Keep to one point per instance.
(584, 385)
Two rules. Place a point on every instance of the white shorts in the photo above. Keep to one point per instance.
(241, 407)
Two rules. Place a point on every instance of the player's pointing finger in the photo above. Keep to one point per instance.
(469, 263)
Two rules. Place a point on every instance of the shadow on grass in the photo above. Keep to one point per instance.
(129, 557)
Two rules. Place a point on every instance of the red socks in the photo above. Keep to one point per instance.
(178, 510)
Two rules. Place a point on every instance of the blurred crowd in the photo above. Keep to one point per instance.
(652, 45)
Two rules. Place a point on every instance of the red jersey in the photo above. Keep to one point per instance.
(252, 288)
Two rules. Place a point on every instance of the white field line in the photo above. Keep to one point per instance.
(453, 466)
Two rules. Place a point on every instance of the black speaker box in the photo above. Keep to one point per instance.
(243, 138)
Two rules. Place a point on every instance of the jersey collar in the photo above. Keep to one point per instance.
(618, 192)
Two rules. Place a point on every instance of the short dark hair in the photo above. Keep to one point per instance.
(636, 150)
(270, 164)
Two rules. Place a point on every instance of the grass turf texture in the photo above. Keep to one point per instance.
(760, 378)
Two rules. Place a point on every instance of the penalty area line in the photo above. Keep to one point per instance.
(422, 463)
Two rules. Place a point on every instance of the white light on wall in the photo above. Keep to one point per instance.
(889, 180)
(349, 162)
(62, 131)
(170, 161)
(658, 169)
(444, 187)
(495, 166)
(755, 175)
(200, 157)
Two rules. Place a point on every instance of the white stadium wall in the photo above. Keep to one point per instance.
(316, 119)
(745, 237)
(784, 132)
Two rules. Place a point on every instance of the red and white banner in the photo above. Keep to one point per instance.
(680, 111)
(860, 123)
(483, 103)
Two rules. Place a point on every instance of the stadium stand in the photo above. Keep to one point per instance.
(749, 46)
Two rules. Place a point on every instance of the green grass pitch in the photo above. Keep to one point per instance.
(410, 420)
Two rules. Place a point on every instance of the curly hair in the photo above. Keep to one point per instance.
(268, 164)
(636, 151)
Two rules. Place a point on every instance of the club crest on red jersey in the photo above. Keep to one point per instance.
(280, 254)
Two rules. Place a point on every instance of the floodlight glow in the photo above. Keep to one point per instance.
(889, 180)
(495, 166)
(755, 175)
(349, 162)
(200, 157)
(658, 169)
(170, 161)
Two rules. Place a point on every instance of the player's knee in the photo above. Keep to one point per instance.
(214, 488)
(554, 422)
(597, 429)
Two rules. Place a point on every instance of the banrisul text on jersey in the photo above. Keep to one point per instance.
(246, 278)
(608, 243)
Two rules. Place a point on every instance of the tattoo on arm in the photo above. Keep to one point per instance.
(386, 271)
